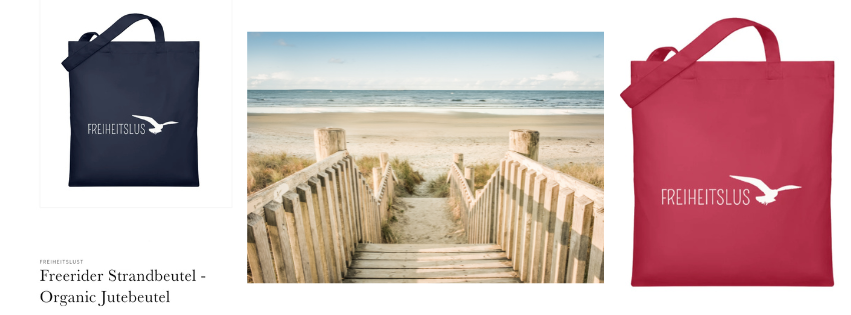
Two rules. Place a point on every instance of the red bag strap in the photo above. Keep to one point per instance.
(638, 91)
(660, 53)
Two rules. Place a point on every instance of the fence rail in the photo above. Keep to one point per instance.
(305, 227)
(550, 224)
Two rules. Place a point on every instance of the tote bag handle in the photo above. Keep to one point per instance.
(87, 36)
(657, 55)
(646, 86)
(79, 56)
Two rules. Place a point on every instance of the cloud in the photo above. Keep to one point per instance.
(283, 75)
(284, 43)
(565, 75)
(565, 80)
(335, 60)
(258, 79)
(562, 76)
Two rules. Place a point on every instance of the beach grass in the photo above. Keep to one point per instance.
(405, 173)
(266, 169)
(407, 176)
(482, 173)
(591, 173)
(438, 187)
(387, 234)
(365, 165)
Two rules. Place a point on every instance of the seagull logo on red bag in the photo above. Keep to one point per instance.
(157, 126)
(770, 194)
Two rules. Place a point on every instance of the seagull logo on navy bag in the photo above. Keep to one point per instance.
(157, 126)
(770, 194)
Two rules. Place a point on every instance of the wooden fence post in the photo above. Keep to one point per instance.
(470, 177)
(384, 158)
(561, 234)
(376, 181)
(458, 159)
(328, 141)
(580, 240)
(259, 251)
(525, 142)
(298, 238)
(595, 257)
(280, 242)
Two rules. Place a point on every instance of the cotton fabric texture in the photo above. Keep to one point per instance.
(732, 167)
(134, 109)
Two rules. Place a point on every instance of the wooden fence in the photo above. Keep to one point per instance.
(305, 227)
(550, 224)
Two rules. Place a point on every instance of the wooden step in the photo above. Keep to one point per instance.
(480, 280)
(429, 256)
(445, 264)
(428, 248)
(430, 273)
(430, 263)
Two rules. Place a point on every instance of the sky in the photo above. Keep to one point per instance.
(425, 61)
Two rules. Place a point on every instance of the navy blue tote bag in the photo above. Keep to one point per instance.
(134, 109)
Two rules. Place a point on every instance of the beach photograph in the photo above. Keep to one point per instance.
(425, 157)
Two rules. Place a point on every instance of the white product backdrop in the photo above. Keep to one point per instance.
(212, 240)
(806, 31)
(63, 21)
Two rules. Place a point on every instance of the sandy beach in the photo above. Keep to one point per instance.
(429, 140)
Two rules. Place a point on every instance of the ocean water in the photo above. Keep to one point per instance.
(496, 102)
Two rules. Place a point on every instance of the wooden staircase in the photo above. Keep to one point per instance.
(430, 263)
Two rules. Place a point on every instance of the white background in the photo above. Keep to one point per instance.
(212, 240)
(63, 21)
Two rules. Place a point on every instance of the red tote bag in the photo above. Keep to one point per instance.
(732, 167)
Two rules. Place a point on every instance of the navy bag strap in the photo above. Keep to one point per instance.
(79, 56)
(88, 36)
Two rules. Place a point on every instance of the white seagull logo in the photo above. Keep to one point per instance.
(770, 194)
(157, 127)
